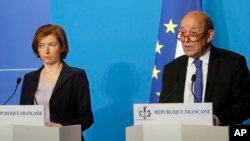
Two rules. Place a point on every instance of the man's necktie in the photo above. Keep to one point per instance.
(198, 81)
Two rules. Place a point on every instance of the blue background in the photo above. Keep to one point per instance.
(114, 41)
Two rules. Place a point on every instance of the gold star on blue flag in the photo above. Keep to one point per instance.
(166, 46)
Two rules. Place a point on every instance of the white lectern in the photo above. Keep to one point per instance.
(175, 122)
(39, 133)
(168, 132)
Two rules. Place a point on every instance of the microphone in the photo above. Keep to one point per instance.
(17, 83)
(35, 101)
(193, 79)
(171, 91)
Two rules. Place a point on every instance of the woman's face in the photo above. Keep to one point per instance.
(49, 50)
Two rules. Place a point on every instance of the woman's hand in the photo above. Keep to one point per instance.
(52, 124)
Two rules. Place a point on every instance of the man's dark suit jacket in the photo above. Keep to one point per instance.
(70, 101)
(227, 85)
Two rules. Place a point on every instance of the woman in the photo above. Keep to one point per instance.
(63, 90)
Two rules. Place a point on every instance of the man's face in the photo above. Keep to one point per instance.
(193, 36)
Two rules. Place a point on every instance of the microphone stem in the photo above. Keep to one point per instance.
(17, 83)
(11, 95)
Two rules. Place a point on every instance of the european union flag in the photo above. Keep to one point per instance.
(167, 46)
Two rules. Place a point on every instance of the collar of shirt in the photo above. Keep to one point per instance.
(204, 58)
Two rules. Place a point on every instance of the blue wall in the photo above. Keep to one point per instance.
(113, 40)
(18, 22)
(231, 19)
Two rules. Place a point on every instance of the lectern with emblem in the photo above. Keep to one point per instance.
(175, 122)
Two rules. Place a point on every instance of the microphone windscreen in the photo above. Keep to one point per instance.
(18, 80)
(193, 77)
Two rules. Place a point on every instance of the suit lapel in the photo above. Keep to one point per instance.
(34, 84)
(64, 75)
(182, 73)
(211, 75)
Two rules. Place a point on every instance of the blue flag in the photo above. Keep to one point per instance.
(167, 46)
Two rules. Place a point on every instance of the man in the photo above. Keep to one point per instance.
(220, 76)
